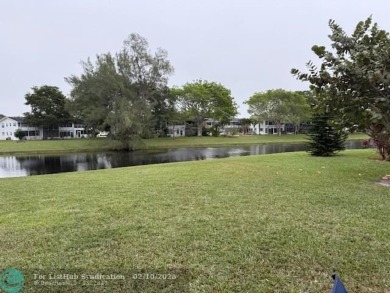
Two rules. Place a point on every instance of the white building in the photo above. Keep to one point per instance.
(176, 130)
(9, 125)
(233, 126)
(265, 127)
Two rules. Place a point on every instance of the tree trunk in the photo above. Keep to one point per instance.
(296, 130)
(381, 137)
(200, 124)
(279, 127)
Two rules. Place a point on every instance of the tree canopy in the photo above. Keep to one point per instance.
(123, 92)
(353, 79)
(47, 107)
(203, 99)
(279, 106)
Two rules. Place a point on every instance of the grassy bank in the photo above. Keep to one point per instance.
(161, 143)
(270, 223)
(56, 146)
(79, 145)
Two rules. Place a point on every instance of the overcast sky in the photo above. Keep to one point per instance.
(247, 45)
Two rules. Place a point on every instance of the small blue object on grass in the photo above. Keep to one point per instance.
(338, 286)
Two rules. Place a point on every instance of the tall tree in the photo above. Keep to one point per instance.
(203, 99)
(298, 110)
(278, 106)
(47, 107)
(163, 111)
(123, 92)
(93, 91)
(353, 78)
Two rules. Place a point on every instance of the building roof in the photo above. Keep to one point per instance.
(18, 118)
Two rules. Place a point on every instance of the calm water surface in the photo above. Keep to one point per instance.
(26, 165)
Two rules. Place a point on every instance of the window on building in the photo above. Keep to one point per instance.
(2, 125)
(66, 134)
(261, 129)
(14, 123)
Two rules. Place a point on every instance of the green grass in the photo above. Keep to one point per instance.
(102, 144)
(56, 146)
(269, 223)
(161, 143)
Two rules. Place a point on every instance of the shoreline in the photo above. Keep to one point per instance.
(40, 147)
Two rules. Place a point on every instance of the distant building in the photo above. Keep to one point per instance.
(176, 130)
(235, 126)
(9, 125)
(265, 127)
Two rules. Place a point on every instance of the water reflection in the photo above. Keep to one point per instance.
(14, 166)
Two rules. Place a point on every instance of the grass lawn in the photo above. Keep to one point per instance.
(160, 143)
(269, 223)
(56, 146)
(103, 144)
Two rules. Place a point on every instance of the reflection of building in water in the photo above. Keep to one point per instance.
(11, 167)
(85, 161)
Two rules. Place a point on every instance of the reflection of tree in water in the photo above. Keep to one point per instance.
(47, 164)
(37, 165)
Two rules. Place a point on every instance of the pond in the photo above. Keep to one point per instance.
(26, 165)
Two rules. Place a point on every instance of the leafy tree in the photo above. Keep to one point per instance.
(93, 92)
(203, 99)
(164, 112)
(47, 107)
(353, 78)
(298, 110)
(279, 106)
(20, 134)
(325, 139)
(1, 116)
(125, 93)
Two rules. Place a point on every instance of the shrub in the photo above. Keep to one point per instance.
(20, 134)
(325, 140)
